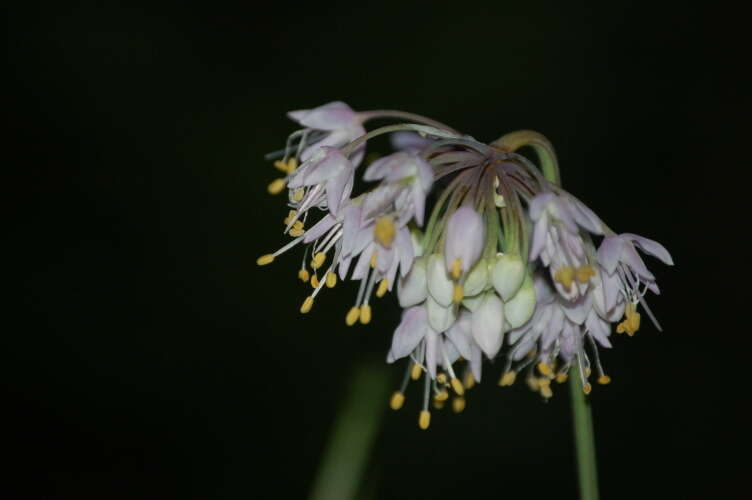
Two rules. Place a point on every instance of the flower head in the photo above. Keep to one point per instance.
(505, 266)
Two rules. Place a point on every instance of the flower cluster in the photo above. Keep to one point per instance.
(506, 265)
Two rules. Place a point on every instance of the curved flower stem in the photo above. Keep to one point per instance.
(581, 413)
(346, 454)
(542, 147)
(402, 115)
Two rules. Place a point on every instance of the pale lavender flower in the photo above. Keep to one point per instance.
(333, 124)
(504, 266)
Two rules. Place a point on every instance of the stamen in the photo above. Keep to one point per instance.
(441, 395)
(507, 378)
(383, 288)
(314, 281)
(384, 231)
(561, 378)
(318, 260)
(469, 380)
(331, 279)
(365, 314)
(545, 388)
(352, 316)
(456, 270)
(290, 217)
(265, 259)
(297, 195)
(303, 275)
(458, 387)
(297, 229)
(441, 378)
(276, 186)
(307, 304)
(565, 276)
(424, 420)
(458, 404)
(584, 273)
(397, 400)
(416, 371)
(374, 256)
(604, 380)
(458, 293)
(544, 368)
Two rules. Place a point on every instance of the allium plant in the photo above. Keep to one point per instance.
(507, 265)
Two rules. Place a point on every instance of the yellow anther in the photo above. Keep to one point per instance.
(297, 230)
(398, 399)
(584, 273)
(438, 405)
(546, 392)
(265, 259)
(532, 383)
(561, 378)
(384, 231)
(303, 275)
(314, 281)
(297, 195)
(290, 216)
(604, 379)
(286, 167)
(424, 420)
(458, 293)
(365, 314)
(631, 322)
(276, 186)
(442, 395)
(469, 380)
(587, 388)
(318, 260)
(416, 372)
(374, 256)
(458, 404)
(544, 368)
(441, 378)
(458, 387)
(331, 279)
(281, 166)
(507, 379)
(383, 288)
(307, 304)
(588, 371)
(352, 316)
(456, 270)
(565, 276)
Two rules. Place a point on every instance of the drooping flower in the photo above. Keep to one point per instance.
(505, 265)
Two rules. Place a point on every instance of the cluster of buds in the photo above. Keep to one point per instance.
(506, 265)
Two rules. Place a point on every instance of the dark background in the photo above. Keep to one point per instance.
(149, 357)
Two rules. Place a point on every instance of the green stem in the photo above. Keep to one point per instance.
(584, 438)
(581, 413)
(355, 429)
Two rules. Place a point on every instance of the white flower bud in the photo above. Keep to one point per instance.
(477, 279)
(439, 317)
(440, 286)
(488, 324)
(413, 288)
(507, 275)
(520, 308)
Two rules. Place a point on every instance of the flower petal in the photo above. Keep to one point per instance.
(651, 247)
(411, 330)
